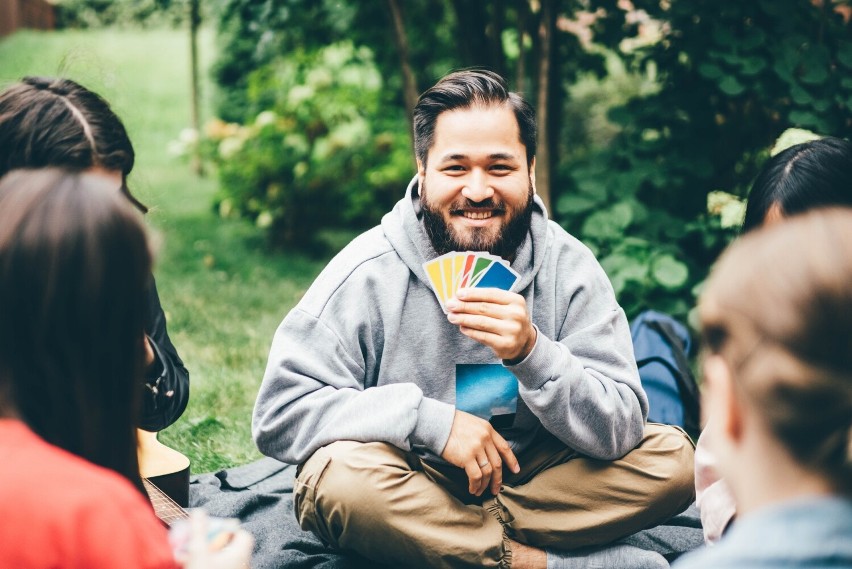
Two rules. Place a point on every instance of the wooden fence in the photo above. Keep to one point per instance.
(36, 14)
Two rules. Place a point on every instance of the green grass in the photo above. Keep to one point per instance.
(223, 294)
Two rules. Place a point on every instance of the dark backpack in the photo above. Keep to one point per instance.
(661, 345)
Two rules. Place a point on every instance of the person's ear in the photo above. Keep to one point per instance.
(421, 174)
(720, 403)
(532, 175)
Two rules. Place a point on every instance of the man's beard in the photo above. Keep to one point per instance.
(505, 244)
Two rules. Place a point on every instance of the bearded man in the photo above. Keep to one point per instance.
(377, 393)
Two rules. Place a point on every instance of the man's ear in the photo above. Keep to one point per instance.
(720, 403)
(532, 175)
(421, 174)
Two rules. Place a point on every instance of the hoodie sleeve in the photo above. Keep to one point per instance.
(584, 386)
(313, 393)
(166, 388)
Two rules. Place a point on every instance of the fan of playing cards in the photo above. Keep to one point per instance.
(456, 270)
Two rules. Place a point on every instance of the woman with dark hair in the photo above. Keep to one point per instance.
(778, 374)
(48, 122)
(802, 177)
(73, 276)
(74, 273)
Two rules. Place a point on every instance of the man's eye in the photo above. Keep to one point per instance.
(501, 168)
(454, 168)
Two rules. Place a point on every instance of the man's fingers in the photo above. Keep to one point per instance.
(474, 477)
(495, 341)
(488, 472)
(478, 322)
(496, 464)
(490, 295)
(505, 451)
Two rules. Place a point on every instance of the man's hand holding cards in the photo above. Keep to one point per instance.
(474, 289)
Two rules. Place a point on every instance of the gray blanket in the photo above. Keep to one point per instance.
(260, 495)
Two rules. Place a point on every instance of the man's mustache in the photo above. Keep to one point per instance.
(468, 204)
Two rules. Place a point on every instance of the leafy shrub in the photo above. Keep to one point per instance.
(732, 76)
(323, 154)
(105, 13)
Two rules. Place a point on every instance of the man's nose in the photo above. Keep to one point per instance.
(477, 188)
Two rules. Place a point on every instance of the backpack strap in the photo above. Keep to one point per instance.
(686, 383)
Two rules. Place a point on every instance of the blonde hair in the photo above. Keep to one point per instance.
(778, 309)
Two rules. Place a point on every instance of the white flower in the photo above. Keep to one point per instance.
(264, 220)
(265, 118)
(791, 137)
(230, 146)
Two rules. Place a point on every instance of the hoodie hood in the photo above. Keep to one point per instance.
(403, 227)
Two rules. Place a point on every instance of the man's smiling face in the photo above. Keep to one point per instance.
(476, 188)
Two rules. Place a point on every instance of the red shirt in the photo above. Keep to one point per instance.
(58, 511)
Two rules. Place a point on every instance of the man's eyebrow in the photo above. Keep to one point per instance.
(495, 156)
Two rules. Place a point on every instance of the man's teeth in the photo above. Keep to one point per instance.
(477, 214)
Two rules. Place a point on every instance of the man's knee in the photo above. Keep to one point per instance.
(342, 479)
(670, 453)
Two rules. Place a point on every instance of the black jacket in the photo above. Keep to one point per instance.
(166, 389)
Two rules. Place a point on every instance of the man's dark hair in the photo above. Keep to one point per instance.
(462, 90)
(49, 122)
(801, 178)
(74, 271)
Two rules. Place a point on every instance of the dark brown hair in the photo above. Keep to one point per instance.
(462, 90)
(74, 267)
(805, 176)
(777, 308)
(48, 122)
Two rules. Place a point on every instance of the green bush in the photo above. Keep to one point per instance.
(323, 154)
(732, 76)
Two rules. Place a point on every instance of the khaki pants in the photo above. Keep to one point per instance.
(392, 507)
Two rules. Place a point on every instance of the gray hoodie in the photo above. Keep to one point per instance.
(368, 354)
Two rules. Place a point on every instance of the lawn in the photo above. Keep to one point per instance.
(223, 292)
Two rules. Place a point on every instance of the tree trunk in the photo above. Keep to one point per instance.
(194, 23)
(410, 91)
(471, 37)
(521, 65)
(547, 25)
(495, 37)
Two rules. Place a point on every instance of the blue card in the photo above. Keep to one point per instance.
(499, 276)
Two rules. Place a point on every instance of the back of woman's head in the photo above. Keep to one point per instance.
(778, 309)
(48, 122)
(74, 267)
(803, 177)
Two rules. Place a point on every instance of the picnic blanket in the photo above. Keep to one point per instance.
(260, 495)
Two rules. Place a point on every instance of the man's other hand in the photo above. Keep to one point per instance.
(476, 447)
(495, 318)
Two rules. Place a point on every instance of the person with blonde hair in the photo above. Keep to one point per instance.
(799, 178)
(775, 318)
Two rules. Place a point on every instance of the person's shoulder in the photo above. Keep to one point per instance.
(369, 257)
(112, 521)
(68, 509)
(565, 246)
